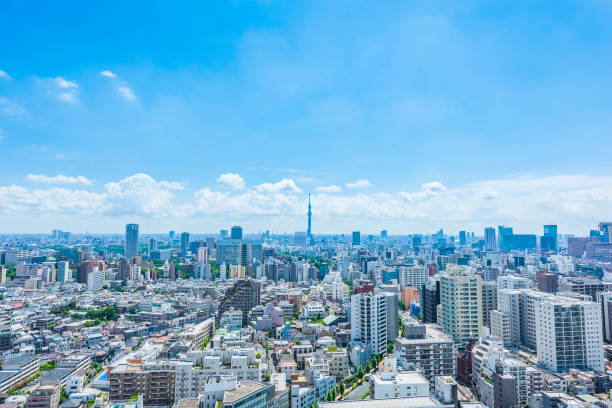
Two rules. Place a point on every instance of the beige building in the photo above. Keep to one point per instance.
(460, 308)
(46, 396)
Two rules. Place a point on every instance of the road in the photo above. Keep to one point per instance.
(358, 392)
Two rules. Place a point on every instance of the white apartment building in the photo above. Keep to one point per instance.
(569, 334)
(302, 397)
(389, 383)
(198, 333)
(512, 282)
(312, 310)
(231, 320)
(369, 321)
(95, 279)
(501, 326)
(486, 354)
(415, 276)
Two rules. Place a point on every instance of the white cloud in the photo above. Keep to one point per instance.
(488, 193)
(123, 89)
(126, 92)
(329, 189)
(10, 108)
(59, 179)
(359, 184)
(434, 186)
(142, 194)
(67, 89)
(283, 185)
(67, 97)
(5, 75)
(65, 84)
(232, 180)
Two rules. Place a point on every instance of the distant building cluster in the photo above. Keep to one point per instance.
(304, 320)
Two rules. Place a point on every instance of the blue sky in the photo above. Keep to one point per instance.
(431, 103)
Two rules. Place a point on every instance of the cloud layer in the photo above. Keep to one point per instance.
(59, 179)
(575, 202)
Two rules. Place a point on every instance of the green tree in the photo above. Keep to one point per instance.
(368, 367)
(63, 395)
(360, 372)
(342, 387)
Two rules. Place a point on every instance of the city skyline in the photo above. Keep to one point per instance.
(319, 204)
(160, 205)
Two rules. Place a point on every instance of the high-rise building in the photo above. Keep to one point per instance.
(604, 228)
(547, 281)
(369, 321)
(95, 279)
(430, 299)
(125, 270)
(356, 238)
(428, 349)
(512, 282)
(490, 243)
(63, 271)
(83, 270)
(605, 301)
(569, 334)
(460, 309)
(244, 295)
(548, 242)
(184, 243)
(309, 231)
(503, 232)
(236, 232)
(131, 240)
(417, 240)
(414, 275)
(585, 286)
(462, 238)
(392, 315)
(383, 234)
(152, 245)
(6, 342)
(489, 302)
(504, 389)
(228, 252)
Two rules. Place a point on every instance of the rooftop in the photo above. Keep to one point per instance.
(243, 390)
(411, 377)
(189, 403)
(414, 402)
